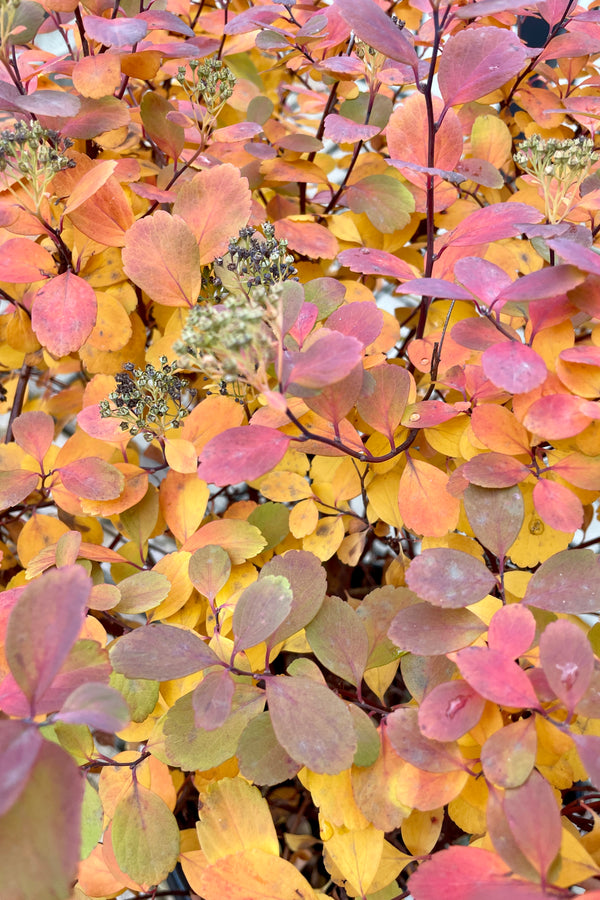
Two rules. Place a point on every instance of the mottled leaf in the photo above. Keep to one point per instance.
(508, 755)
(209, 568)
(260, 610)
(568, 582)
(495, 515)
(449, 578)
(402, 727)
(212, 699)
(92, 478)
(339, 639)
(64, 313)
(430, 631)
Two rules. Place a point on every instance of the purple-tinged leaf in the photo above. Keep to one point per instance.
(161, 653)
(165, 21)
(40, 835)
(242, 454)
(496, 677)
(344, 131)
(574, 254)
(533, 816)
(495, 515)
(43, 626)
(568, 582)
(449, 710)
(434, 287)
(467, 873)
(96, 705)
(308, 582)
(508, 755)
(545, 283)
(493, 223)
(209, 568)
(429, 413)
(558, 506)
(429, 631)
(335, 401)
(477, 61)
(369, 22)
(212, 700)
(514, 367)
(449, 578)
(362, 321)
(92, 478)
(311, 723)
(19, 747)
(52, 104)
(588, 747)
(567, 659)
(304, 323)
(261, 608)
(512, 630)
(120, 32)
(476, 334)
(338, 638)
(369, 261)
(402, 728)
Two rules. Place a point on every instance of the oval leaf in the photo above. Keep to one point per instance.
(449, 578)
(161, 653)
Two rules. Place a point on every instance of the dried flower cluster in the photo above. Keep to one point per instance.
(210, 80)
(148, 401)
(559, 166)
(33, 156)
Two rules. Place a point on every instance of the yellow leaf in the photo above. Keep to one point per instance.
(326, 539)
(145, 836)
(113, 328)
(38, 532)
(468, 810)
(333, 795)
(234, 816)
(183, 500)
(304, 518)
(356, 855)
(284, 487)
(421, 830)
(253, 874)
(380, 678)
(181, 456)
(175, 567)
(382, 492)
(576, 864)
(491, 140)
(536, 541)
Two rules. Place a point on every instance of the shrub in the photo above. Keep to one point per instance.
(298, 500)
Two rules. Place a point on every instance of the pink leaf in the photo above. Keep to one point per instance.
(344, 131)
(383, 397)
(558, 416)
(480, 276)
(541, 285)
(161, 653)
(588, 747)
(64, 313)
(96, 705)
(434, 287)
(534, 820)
(34, 432)
(242, 454)
(212, 700)
(92, 478)
(119, 32)
(514, 367)
(493, 223)
(23, 261)
(568, 582)
(495, 516)
(573, 253)
(449, 710)
(449, 578)
(43, 626)
(326, 359)
(429, 631)
(477, 61)
(428, 414)
(476, 334)
(362, 321)
(511, 630)
(402, 727)
(494, 470)
(19, 746)
(558, 506)
(376, 262)
(461, 873)
(15, 486)
(496, 677)
(567, 660)
(369, 22)
(335, 401)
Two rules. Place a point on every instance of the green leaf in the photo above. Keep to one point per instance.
(92, 819)
(145, 836)
(140, 695)
(339, 640)
(261, 757)
(272, 520)
(385, 200)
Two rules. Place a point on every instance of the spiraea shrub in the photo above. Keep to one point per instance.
(300, 373)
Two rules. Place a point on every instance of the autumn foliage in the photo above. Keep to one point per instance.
(300, 366)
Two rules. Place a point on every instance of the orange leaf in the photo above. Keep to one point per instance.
(23, 261)
(424, 503)
(309, 238)
(97, 76)
(64, 313)
(255, 874)
(161, 256)
(215, 205)
(183, 500)
(241, 540)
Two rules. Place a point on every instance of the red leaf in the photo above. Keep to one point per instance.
(434, 287)
(369, 22)
(534, 819)
(43, 626)
(429, 413)
(461, 873)
(496, 677)
(567, 660)
(558, 416)
(19, 746)
(161, 653)
(161, 256)
(573, 253)
(242, 454)
(23, 261)
(511, 630)
(514, 367)
(376, 262)
(215, 204)
(362, 321)
(545, 283)
(119, 32)
(557, 506)
(212, 700)
(493, 223)
(476, 334)
(494, 470)
(477, 61)
(92, 478)
(64, 313)
(449, 578)
(383, 398)
(480, 276)
(429, 631)
(344, 131)
(568, 582)
(449, 710)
